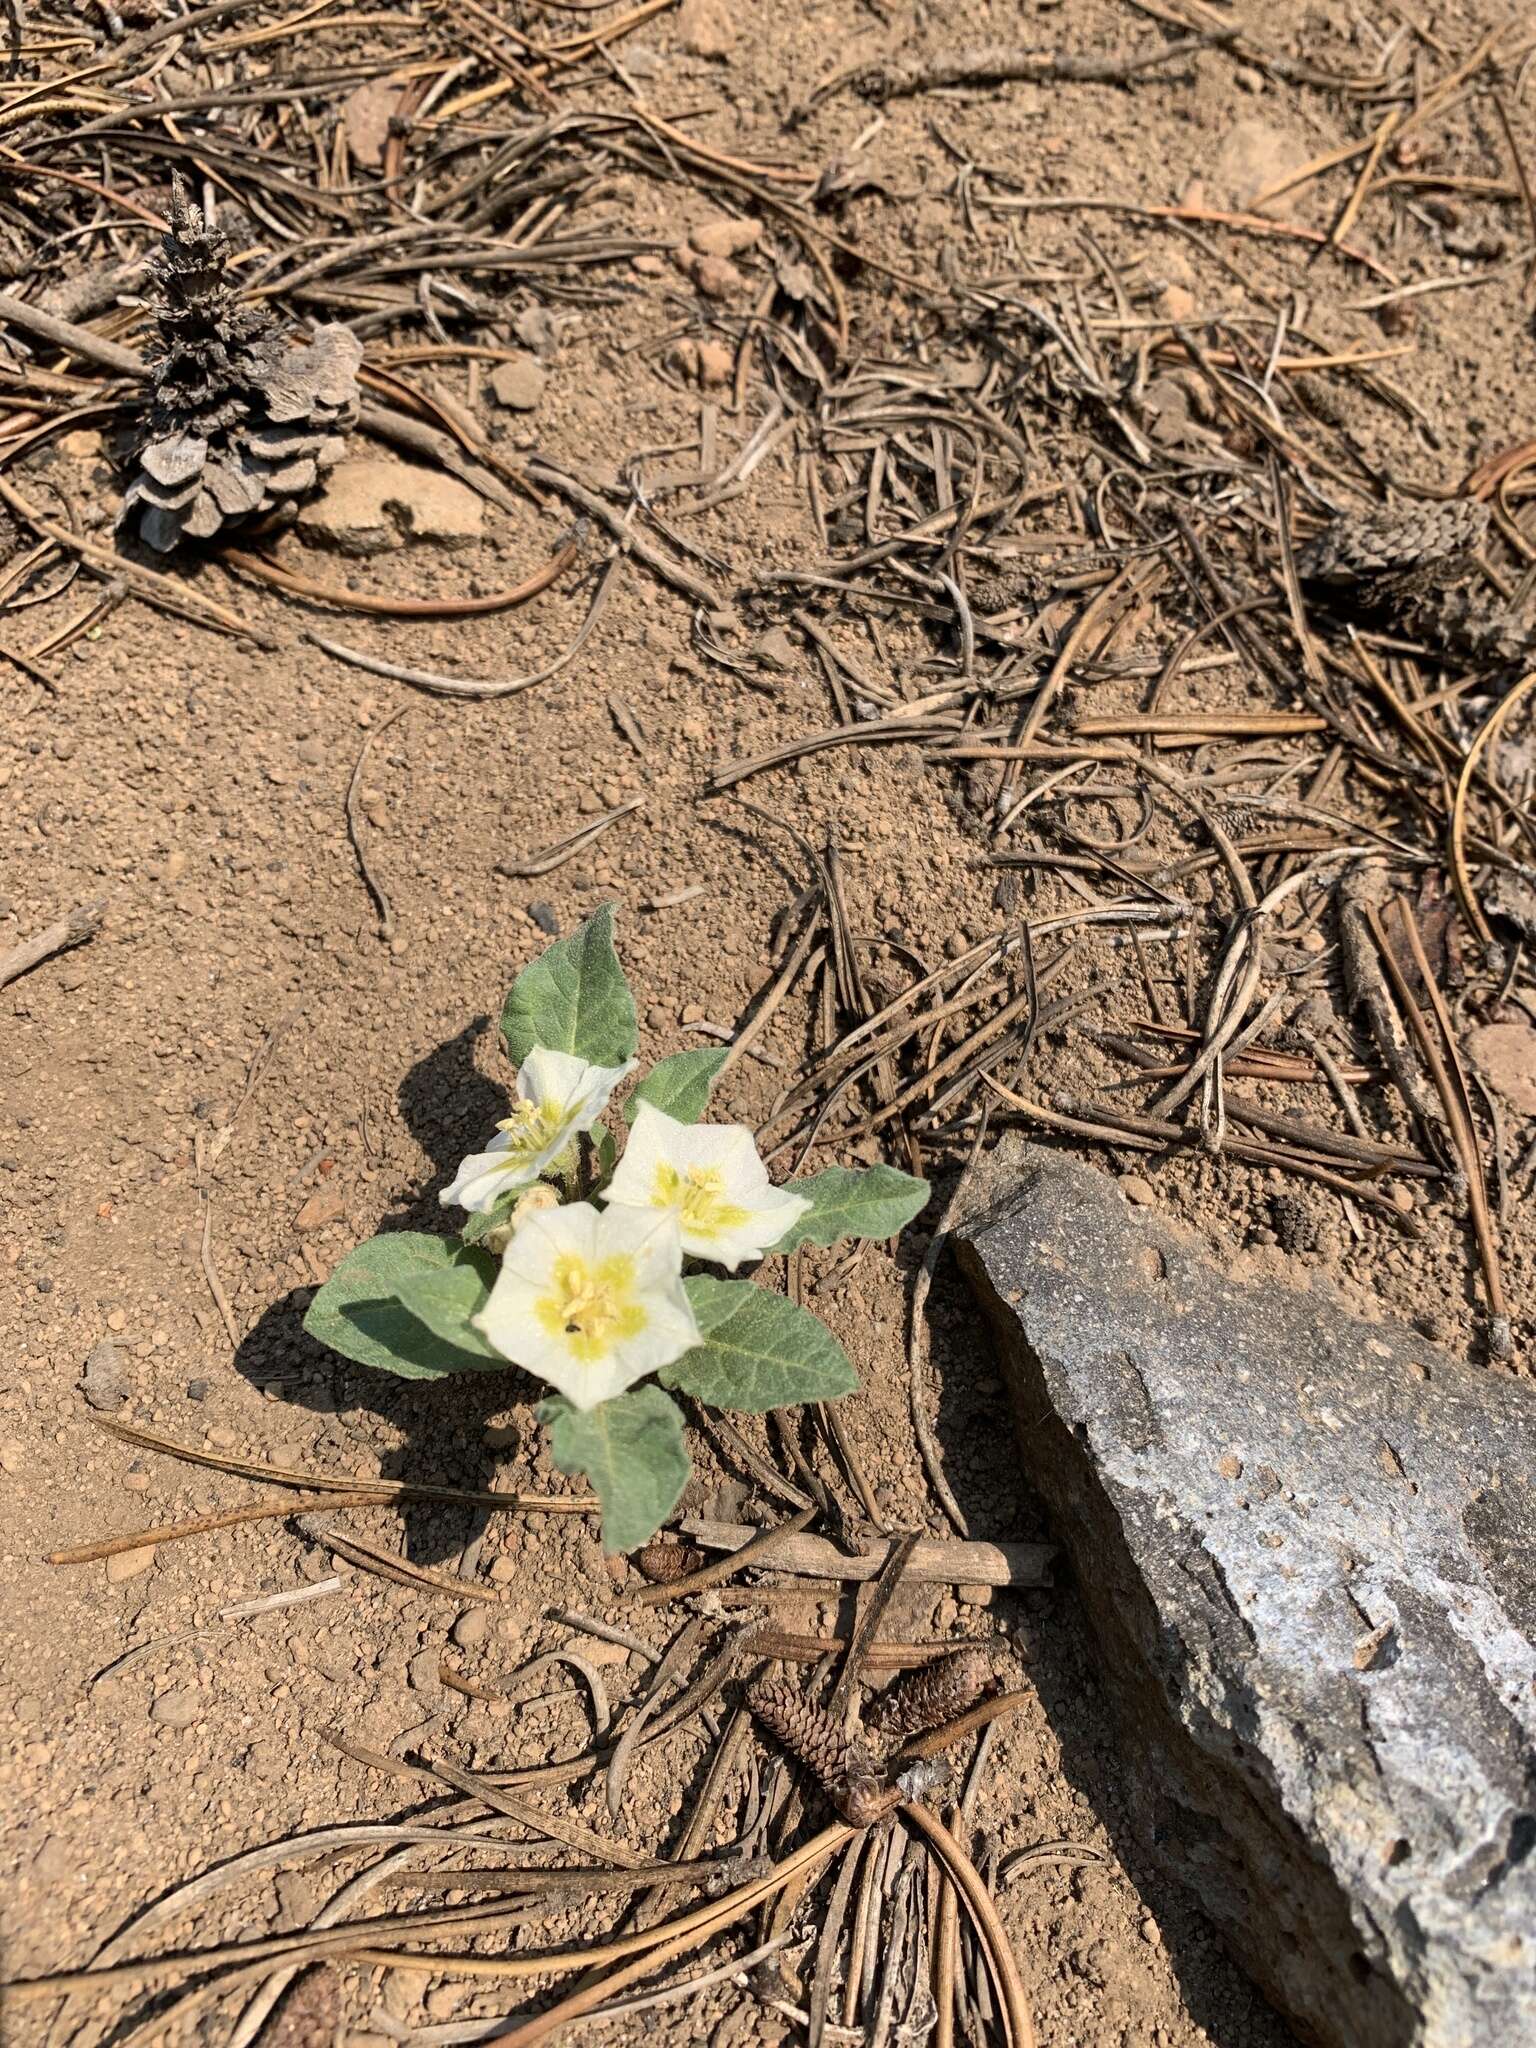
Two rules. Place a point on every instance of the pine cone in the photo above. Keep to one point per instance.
(939, 1693)
(1464, 621)
(1390, 537)
(662, 1563)
(237, 424)
(846, 1772)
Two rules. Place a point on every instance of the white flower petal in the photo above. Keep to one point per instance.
(558, 1098)
(591, 1300)
(483, 1178)
(710, 1177)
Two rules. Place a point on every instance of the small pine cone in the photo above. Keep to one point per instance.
(925, 1699)
(846, 1771)
(1393, 537)
(662, 1563)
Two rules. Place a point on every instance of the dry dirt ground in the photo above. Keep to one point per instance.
(239, 1076)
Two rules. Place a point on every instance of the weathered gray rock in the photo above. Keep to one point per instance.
(1305, 1544)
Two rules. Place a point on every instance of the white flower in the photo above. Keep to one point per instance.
(559, 1097)
(591, 1300)
(710, 1177)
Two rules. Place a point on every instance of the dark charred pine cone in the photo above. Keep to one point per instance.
(237, 424)
(1464, 619)
(1393, 537)
(663, 1562)
(846, 1772)
(939, 1693)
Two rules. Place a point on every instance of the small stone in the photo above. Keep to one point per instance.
(135, 1482)
(775, 650)
(1176, 303)
(604, 1655)
(543, 915)
(197, 1390)
(718, 278)
(974, 1595)
(691, 1013)
(503, 1571)
(705, 28)
(715, 363)
(519, 384)
(117, 1320)
(365, 114)
(1230, 1466)
(12, 1455)
(370, 504)
(102, 1381)
(1137, 1190)
(1506, 1053)
(726, 237)
(657, 1017)
(220, 1439)
(177, 1709)
(423, 1671)
(471, 1628)
(1151, 1933)
(324, 1206)
(123, 1565)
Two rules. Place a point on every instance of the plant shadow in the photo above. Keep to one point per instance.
(425, 1432)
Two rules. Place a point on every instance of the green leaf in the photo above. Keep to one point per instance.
(680, 1085)
(359, 1313)
(481, 1222)
(759, 1351)
(444, 1300)
(632, 1450)
(846, 1203)
(574, 998)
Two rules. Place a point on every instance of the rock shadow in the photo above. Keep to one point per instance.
(1050, 1629)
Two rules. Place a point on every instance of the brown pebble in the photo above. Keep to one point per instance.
(726, 237)
(1230, 1467)
(177, 1709)
(127, 1564)
(1135, 1189)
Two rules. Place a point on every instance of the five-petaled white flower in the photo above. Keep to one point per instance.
(591, 1299)
(559, 1097)
(710, 1177)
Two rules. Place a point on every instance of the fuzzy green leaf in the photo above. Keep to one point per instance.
(359, 1313)
(759, 1351)
(632, 1450)
(481, 1222)
(848, 1203)
(574, 998)
(680, 1085)
(446, 1299)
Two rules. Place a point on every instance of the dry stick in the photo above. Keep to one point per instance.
(1362, 978)
(1005, 64)
(472, 686)
(1451, 1085)
(990, 1931)
(654, 1945)
(146, 584)
(354, 827)
(565, 849)
(76, 341)
(297, 585)
(203, 1525)
(292, 1475)
(1486, 733)
(397, 1569)
(932, 1563)
(868, 1625)
(81, 924)
(660, 564)
(760, 1550)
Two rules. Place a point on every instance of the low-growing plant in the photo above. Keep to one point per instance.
(582, 1262)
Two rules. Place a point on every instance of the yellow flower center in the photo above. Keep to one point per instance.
(592, 1307)
(529, 1129)
(698, 1195)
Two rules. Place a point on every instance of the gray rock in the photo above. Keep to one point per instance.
(102, 1381)
(1305, 1545)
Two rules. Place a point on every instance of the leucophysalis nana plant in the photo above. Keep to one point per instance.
(590, 1266)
